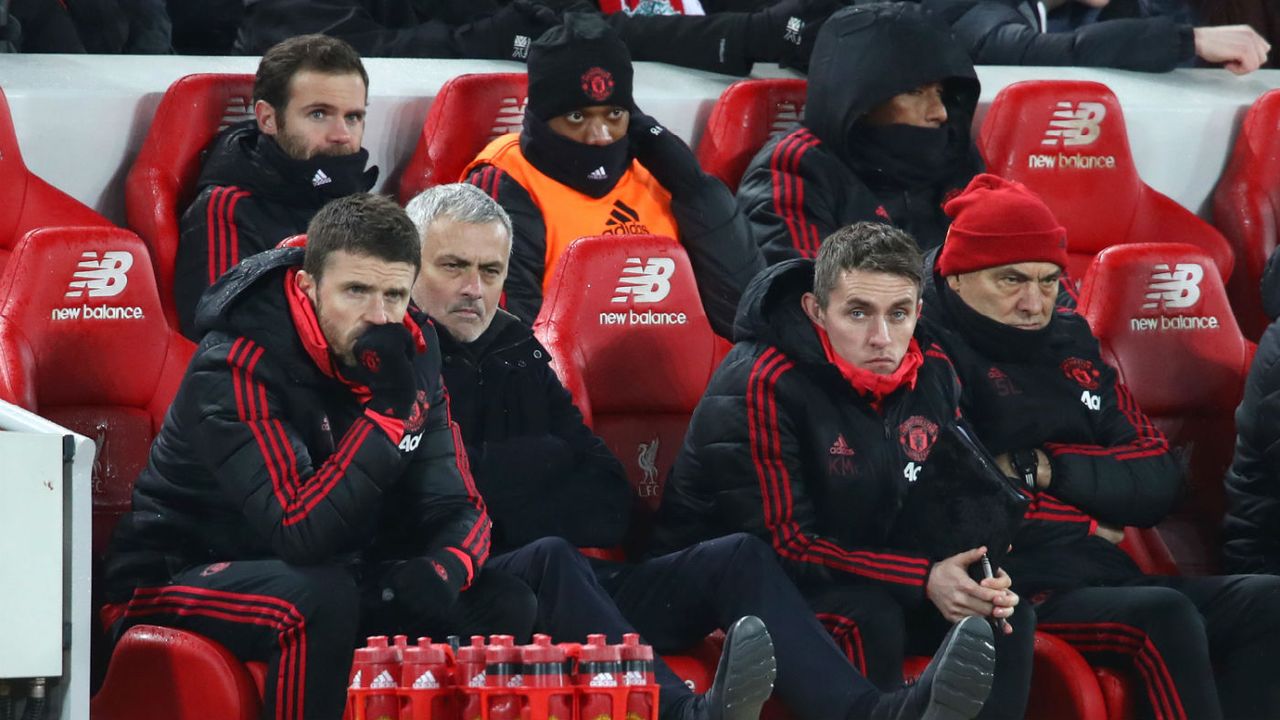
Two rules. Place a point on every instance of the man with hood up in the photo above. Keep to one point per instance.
(265, 178)
(885, 136)
(588, 162)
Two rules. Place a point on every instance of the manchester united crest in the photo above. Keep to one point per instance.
(597, 84)
(418, 415)
(916, 435)
(1082, 372)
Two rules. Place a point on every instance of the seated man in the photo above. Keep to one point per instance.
(263, 179)
(1039, 394)
(809, 435)
(1014, 32)
(885, 135)
(589, 163)
(305, 484)
(545, 475)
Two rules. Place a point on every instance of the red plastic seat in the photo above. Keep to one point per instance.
(30, 202)
(1163, 320)
(742, 120)
(1246, 208)
(1066, 140)
(162, 181)
(467, 113)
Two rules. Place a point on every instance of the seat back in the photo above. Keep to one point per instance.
(162, 181)
(28, 201)
(1162, 317)
(1246, 208)
(1066, 140)
(742, 120)
(629, 339)
(467, 113)
(84, 343)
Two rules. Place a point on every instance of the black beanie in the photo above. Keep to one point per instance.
(580, 63)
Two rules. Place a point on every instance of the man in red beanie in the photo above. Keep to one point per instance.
(1036, 389)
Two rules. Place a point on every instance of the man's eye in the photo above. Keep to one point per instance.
(574, 117)
(316, 115)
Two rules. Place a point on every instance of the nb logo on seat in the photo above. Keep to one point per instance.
(1075, 126)
(647, 282)
(1177, 288)
(103, 277)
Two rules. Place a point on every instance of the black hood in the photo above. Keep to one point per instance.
(865, 55)
(244, 157)
(770, 311)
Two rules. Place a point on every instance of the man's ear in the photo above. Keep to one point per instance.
(953, 282)
(307, 284)
(266, 116)
(809, 303)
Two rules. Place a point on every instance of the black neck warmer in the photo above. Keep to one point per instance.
(904, 157)
(328, 176)
(592, 170)
(991, 338)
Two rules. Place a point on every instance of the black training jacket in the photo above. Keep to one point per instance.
(1251, 533)
(1110, 463)
(541, 471)
(262, 455)
(246, 202)
(802, 185)
(783, 447)
(1008, 32)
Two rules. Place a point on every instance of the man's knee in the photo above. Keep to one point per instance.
(1159, 610)
(556, 553)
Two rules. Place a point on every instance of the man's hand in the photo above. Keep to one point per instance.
(1044, 470)
(957, 596)
(384, 363)
(662, 153)
(1239, 48)
(1110, 533)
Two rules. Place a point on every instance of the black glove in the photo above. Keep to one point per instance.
(785, 31)
(384, 363)
(424, 587)
(507, 34)
(662, 153)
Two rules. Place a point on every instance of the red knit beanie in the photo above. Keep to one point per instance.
(999, 222)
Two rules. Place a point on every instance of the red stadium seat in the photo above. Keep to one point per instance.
(1246, 208)
(1066, 140)
(468, 112)
(30, 202)
(743, 119)
(162, 181)
(1164, 322)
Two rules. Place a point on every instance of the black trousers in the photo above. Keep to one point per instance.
(876, 633)
(304, 622)
(1178, 632)
(673, 601)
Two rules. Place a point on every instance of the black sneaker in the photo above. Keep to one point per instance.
(744, 677)
(954, 685)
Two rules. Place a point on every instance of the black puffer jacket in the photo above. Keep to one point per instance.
(781, 446)
(1051, 390)
(1251, 533)
(805, 184)
(540, 469)
(1009, 32)
(250, 196)
(263, 455)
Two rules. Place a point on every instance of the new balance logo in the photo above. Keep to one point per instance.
(320, 179)
(624, 220)
(1177, 288)
(840, 447)
(598, 174)
(1078, 126)
(647, 282)
(103, 277)
(795, 26)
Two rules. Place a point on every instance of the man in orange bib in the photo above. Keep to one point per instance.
(588, 162)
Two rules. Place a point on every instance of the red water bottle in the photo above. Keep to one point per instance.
(374, 668)
(425, 673)
(469, 673)
(637, 668)
(502, 671)
(599, 666)
(544, 668)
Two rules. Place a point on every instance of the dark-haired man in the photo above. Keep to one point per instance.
(588, 162)
(265, 178)
(809, 436)
(306, 483)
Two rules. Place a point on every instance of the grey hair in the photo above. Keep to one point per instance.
(459, 202)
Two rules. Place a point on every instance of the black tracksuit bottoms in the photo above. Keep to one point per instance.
(1199, 647)
(305, 621)
(876, 633)
(675, 600)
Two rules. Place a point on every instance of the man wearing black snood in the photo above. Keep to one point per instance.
(885, 136)
(589, 162)
(264, 179)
